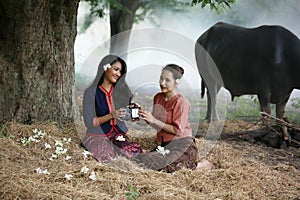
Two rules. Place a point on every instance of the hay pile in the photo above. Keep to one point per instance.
(243, 171)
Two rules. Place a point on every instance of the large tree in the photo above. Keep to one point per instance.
(36, 59)
(37, 54)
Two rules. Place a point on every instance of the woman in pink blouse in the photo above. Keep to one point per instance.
(170, 118)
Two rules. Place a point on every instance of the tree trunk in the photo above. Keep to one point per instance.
(120, 25)
(37, 59)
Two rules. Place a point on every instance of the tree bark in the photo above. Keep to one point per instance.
(121, 23)
(37, 59)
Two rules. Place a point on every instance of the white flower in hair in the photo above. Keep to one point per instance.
(161, 150)
(177, 81)
(106, 67)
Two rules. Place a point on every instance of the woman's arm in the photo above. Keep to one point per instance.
(163, 126)
(118, 114)
(155, 123)
(105, 118)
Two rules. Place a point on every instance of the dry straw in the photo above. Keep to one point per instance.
(243, 170)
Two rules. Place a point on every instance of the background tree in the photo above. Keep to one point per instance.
(123, 13)
(37, 59)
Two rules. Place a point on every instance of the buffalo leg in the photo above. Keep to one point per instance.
(208, 111)
(280, 113)
(212, 114)
(264, 102)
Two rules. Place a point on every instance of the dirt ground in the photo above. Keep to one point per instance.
(245, 168)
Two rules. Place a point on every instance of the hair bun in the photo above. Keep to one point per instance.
(181, 70)
(176, 70)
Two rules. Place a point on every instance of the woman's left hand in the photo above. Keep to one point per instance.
(119, 114)
(147, 116)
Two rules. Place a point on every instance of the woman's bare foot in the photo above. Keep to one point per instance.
(204, 164)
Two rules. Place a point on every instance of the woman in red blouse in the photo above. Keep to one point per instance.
(170, 118)
(102, 100)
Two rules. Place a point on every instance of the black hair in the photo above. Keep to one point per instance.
(176, 70)
(121, 92)
(109, 59)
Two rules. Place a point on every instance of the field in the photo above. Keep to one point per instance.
(244, 169)
(46, 161)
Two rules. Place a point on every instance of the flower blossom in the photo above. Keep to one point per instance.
(86, 153)
(68, 176)
(59, 150)
(68, 157)
(93, 176)
(58, 143)
(41, 134)
(40, 171)
(120, 138)
(47, 146)
(106, 67)
(161, 150)
(53, 156)
(67, 140)
(35, 130)
(84, 169)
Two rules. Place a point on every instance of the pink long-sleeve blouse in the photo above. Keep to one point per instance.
(175, 112)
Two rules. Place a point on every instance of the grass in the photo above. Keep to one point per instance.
(244, 108)
(243, 170)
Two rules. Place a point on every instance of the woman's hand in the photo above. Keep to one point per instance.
(119, 114)
(155, 123)
(140, 107)
(147, 116)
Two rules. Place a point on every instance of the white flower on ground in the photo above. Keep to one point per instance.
(68, 157)
(53, 156)
(106, 67)
(23, 140)
(161, 150)
(67, 140)
(47, 146)
(40, 171)
(32, 139)
(86, 153)
(120, 138)
(68, 176)
(41, 133)
(58, 143)
(64, 151)
(59, 150)
(35, 130)
(84, 169)
(46, 172)
(93, 176)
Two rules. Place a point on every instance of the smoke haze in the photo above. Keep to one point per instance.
(190, 23)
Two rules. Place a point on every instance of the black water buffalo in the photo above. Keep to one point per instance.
(264, 61)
